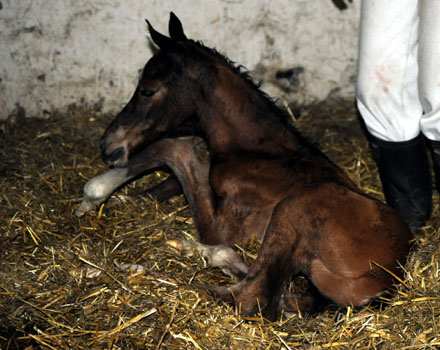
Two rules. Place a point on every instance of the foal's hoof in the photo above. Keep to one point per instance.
(85, 206)
(219, 256)
(79, 212)
(175, 243)
(296, 303)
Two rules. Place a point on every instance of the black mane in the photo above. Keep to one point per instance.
(281, 114)
(243, 72)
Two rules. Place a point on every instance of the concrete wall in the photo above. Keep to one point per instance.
(54, 53)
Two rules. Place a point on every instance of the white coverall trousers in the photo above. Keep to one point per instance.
(398, 90)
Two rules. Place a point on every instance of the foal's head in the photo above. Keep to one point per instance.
(186, 79)
(164, 98)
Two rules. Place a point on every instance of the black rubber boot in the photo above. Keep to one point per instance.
(436, 155)
(406, 179)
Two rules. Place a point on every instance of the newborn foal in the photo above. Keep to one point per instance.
(263, 180)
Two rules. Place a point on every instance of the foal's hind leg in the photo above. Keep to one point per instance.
(287, 249)
(263, 286)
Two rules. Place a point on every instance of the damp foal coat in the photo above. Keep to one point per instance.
(263, 180)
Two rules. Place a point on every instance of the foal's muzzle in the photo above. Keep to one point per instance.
(115, 158)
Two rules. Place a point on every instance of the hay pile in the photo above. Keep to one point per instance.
(64, 282)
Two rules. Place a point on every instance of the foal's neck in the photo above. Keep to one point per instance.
(239, 117)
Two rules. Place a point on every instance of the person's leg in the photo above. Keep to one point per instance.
(388, 100)
(387, 91)
(436, 158)
(429, 76)
(406, 179)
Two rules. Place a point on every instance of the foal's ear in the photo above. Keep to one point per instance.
(176, 29)
(164, 43)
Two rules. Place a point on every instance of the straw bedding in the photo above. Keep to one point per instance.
(108, 281)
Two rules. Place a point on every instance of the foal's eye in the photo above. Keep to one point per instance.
(147, 93)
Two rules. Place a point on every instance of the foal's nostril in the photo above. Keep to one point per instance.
(114, 156)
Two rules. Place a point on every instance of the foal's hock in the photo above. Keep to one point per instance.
(264, 180)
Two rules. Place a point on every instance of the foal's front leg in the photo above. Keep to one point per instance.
(98, 189)
(192, 174)
(221, 256)
(166, 189)
(180, 157)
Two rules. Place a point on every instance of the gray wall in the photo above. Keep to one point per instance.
(57, 52)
